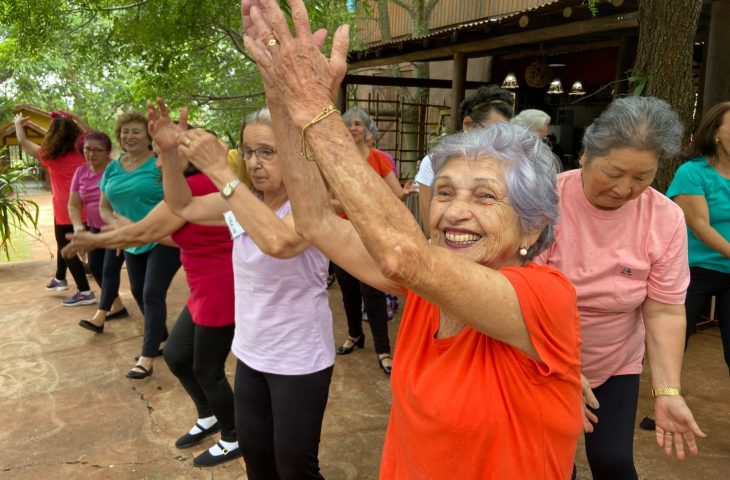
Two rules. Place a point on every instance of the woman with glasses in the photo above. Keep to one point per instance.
(283, 340)
(105, 264)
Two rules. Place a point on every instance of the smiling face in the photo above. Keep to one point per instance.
(265, 173)
(135, 139)
(96, 155)
(623, 174)
(471, 213)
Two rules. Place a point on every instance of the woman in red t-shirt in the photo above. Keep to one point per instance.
(58, 155)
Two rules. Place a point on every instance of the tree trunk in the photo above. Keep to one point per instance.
(664, 58)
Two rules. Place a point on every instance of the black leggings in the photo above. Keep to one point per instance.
(703, 284)
(196, 355)
(610, 448)
(106, 268)
(354, 295)
(74, 263)
(150, 275)
(279, 422)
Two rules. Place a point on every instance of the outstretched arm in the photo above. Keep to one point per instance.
(158, 224)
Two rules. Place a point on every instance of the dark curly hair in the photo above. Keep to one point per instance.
(60, 138)
(703, 141)
(486, 99)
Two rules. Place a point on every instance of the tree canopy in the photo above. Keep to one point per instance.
(97, 58)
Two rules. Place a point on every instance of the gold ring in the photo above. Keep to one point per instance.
(273, 42)
(187, 142)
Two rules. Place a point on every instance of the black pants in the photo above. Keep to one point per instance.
(196, 355)
(610, 448)
(150, 275)
(106, 267)
(703, 284)
(74, 264)
(279, 422)
(354, 295)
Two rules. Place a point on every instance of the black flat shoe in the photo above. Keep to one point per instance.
(386, 368)
(137, 375)
(207, 459)
(358, 342)
(647, 423)
(190, 439)
(123, 313)
(90, 326)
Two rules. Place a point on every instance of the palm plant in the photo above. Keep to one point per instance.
(16, 213)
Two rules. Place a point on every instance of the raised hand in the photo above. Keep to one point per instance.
(303, 79)
(162, 129)
(20, 120)
(676, 426)
(80, 243)
(203, 150)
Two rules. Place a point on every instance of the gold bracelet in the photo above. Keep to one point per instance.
(666, 392)
(326, 112)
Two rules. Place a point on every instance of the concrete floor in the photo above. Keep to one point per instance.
(69, 413)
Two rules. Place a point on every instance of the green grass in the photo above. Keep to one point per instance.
(19, 248)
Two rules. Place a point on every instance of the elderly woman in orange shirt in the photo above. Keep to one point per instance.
(486, 379)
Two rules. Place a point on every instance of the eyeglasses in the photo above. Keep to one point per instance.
(94, 151)
(263, 154)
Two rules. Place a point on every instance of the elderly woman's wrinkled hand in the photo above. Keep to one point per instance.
(80, 243)
(589, 400)
(162, 129)
(203, 150)
(298, 74)
(675, 426)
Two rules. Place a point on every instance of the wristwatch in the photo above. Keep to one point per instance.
(229, 187)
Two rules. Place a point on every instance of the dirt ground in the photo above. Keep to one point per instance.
(69, 413)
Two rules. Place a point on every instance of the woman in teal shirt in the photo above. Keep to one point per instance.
(701, 187)
(131, 188)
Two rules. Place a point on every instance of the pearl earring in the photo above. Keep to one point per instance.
(523, 252)
(717, 140)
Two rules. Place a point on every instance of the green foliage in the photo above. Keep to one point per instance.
(98, 58)
(16, 213)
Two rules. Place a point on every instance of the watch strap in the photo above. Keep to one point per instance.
(666, 392)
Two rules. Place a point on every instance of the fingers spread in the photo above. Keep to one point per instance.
(276, 22)
(300, 18)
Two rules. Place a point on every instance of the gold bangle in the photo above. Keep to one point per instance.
(666, 392)
(326, 112)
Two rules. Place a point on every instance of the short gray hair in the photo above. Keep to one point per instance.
(644, 123)
(532, 119)
(530, 172)
(262, 115)
(356, 112)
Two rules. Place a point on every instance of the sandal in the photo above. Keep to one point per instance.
(386, 368)
(358, 342)
(135, 374)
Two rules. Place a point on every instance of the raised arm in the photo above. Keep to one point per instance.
(30, 148)
(388, 231)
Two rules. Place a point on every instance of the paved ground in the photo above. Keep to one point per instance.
(68, 412)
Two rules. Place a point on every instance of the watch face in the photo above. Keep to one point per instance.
(227, 191)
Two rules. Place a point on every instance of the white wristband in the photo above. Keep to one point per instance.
(78, 227)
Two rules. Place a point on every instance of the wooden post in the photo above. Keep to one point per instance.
(341, 100)
(717, 68)
(457, 89)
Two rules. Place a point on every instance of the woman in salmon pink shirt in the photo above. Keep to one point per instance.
(624, 247)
